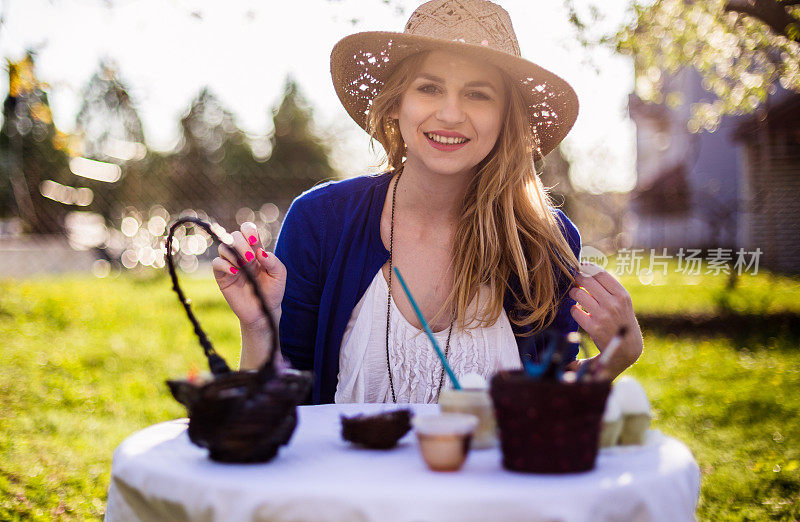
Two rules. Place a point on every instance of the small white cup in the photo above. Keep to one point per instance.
(445, 440)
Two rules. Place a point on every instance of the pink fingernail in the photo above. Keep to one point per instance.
(263, 252)
(249, 256)
(234, 270)
(253, 240)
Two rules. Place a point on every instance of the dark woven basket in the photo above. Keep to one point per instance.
(240, 416)
(547, 426)
(380, 431)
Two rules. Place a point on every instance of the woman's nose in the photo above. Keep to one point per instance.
(451, 110)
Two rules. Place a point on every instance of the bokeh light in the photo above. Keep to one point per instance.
(67, 195)
(85, 230)
(244, 215)
(646, 276)
(139, 240)
(157, 225)
(101, 268)
(129, 226)
(189, 264)
(96, 170)
(269, 213)
(129, 258)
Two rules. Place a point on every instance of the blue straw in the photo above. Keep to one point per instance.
(428, 331)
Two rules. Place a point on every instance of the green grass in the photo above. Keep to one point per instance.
(83, 366)
(84, 362)
(677, 293)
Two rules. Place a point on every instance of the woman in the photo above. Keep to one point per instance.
(461, 212)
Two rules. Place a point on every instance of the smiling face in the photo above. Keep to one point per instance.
(451, 114)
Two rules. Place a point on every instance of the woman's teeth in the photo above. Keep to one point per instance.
(445, 140)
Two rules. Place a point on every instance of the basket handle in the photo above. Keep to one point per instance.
(216, 363)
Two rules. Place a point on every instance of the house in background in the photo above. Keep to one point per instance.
(770, 181)
(732, 188)
(687, 184)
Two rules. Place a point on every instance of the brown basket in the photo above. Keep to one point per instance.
(547, 426)
(240, 416)
(379, 431)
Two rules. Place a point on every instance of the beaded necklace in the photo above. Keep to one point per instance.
(389, 304)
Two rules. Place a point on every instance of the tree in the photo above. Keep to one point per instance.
(214, 168)
(110, 131)
(741, 48)
(30, 151)
(107, 117)
(299, 157)
(295, 147)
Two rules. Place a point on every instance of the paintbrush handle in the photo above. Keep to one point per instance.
(604, 357)
(583, 370)
(611, 347)
(428, 331)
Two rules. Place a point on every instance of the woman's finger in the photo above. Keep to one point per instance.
(239, 244)
(224, 270)
(585, 299)
(272, 265)
(593, 287)
(250, 233)
(227, 254)
(584, 320)
(608, 282)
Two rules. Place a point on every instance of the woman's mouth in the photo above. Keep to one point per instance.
(445, 143)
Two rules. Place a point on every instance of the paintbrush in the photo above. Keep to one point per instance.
(428, 331)
(605, 356)
(560, 359)
(537, 370)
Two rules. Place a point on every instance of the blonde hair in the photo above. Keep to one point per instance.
(506, 228)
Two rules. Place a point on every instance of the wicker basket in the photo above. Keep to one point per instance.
(547, 426)
(240, 416)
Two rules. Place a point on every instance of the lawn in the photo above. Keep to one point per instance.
(84, 362)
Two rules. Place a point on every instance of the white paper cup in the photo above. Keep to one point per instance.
(444, 440)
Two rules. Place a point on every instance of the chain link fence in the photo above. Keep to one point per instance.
(100, 200)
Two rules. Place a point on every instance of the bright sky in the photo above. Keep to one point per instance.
(167, 50)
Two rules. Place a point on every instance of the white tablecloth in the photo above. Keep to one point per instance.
(157, 474)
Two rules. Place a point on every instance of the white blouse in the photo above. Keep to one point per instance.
(416, 369)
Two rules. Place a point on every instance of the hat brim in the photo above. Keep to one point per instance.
(362, 62)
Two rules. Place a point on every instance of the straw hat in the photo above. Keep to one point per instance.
(361, 62)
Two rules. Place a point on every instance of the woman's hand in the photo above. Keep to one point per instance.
(603, 307)
(269, 272)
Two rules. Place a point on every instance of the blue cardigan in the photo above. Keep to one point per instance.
(331, 245)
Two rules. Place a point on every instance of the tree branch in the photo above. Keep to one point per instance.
(771, 12)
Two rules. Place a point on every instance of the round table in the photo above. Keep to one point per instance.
(157, 474)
